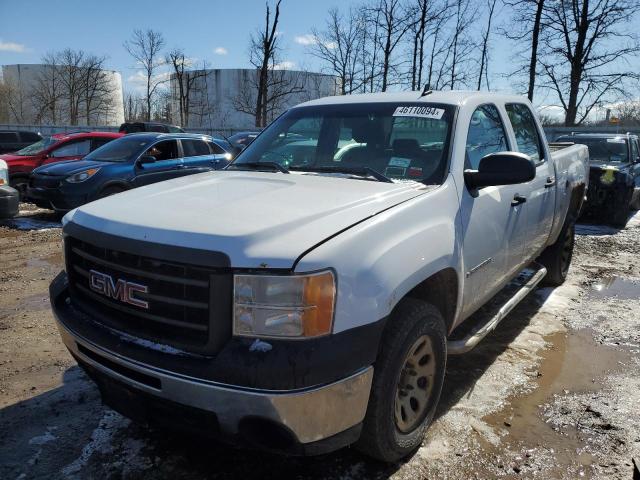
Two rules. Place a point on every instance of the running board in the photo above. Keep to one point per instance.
(463, 345)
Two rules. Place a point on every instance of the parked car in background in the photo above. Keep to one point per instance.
(129, 162)
(242, 139)
(136, 127)
(56, 148)
(614, 174)
(9, 198)
(12, 141)
(305, 303)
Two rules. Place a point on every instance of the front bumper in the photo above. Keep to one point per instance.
(303, 421)
(9, 202)
(55, 198)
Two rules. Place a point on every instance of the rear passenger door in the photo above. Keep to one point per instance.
(541, 194)
(197, 155)
(167, 164)
(493, 225)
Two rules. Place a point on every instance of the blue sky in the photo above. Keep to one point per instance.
(30, 28)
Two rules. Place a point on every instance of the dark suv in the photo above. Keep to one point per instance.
(136, 127)
(129, 162)
(12, 141)
(614, 174)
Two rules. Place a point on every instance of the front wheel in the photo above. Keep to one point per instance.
(408, 378)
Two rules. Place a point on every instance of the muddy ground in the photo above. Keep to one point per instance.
(553, 393)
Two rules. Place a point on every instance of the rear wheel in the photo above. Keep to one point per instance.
(409, 373)
(556, 258)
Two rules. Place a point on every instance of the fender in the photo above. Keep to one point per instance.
(381, 260)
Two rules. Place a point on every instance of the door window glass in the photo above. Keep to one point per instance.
(73, 149)
(166, 150)
(216, 149)
(195, 148)
(634, 150)
(486, 135)
(524, 126)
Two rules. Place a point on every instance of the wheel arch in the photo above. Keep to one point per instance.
(442, 291)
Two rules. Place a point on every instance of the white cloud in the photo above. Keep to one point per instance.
(13, 47)
(138, 81)
(307, 39)
(284, 65)
(220, 51)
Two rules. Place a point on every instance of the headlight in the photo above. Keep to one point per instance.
(82, 176)
(289, 306)
(4, 177)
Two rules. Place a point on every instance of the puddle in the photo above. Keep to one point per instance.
(621, 288)
(55, 260)
(575, 363)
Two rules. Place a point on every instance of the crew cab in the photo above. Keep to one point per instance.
(304, 303)
(614, 171)
(56, 148)
(129, 162)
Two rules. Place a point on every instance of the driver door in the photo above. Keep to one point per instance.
(167, 164)
(492, 224)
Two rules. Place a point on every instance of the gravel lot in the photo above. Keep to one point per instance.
(554, 393)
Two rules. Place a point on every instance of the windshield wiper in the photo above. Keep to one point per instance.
(360, 171)
(275, 166)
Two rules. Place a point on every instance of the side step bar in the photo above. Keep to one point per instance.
(457, 347)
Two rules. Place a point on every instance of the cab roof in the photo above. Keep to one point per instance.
(453, 97)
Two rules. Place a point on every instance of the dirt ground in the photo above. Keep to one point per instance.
(553, 393)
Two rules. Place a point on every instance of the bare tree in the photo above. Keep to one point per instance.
(97, 89)
(70, 64)
(185, 82)
(264, 45)
(523, 31)
(338, 47)
(145, 47)
(47, 90)
(461, 47)
(393, 22)
(484, 58)
(588, 50)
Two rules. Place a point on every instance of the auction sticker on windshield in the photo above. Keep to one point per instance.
(419, 111)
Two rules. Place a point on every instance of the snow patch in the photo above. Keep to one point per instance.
(42, 439)
(101, 441)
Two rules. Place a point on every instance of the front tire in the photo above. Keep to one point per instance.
(408, 378)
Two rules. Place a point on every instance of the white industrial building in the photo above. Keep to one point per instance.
(32, 87)
(225, 98)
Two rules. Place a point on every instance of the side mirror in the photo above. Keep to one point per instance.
(146, 159)
(503, 168)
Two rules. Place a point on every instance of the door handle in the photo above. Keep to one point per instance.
(551, 181)
(517, 200)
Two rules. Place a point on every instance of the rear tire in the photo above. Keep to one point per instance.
(556, 258)
(408, 378)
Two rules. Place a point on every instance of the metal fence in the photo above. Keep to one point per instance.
(551, 132)
(51, 129)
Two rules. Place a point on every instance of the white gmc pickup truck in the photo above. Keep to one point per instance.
(306, 298)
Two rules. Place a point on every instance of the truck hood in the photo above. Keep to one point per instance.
(257, 219)
(10, 158)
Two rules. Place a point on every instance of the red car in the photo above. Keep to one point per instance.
(56, 148)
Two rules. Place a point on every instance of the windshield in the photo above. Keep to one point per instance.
(608, 150)
(400, 141)
(123, 149)
(36, 148)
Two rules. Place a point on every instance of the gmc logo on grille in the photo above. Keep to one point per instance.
(119, 290)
